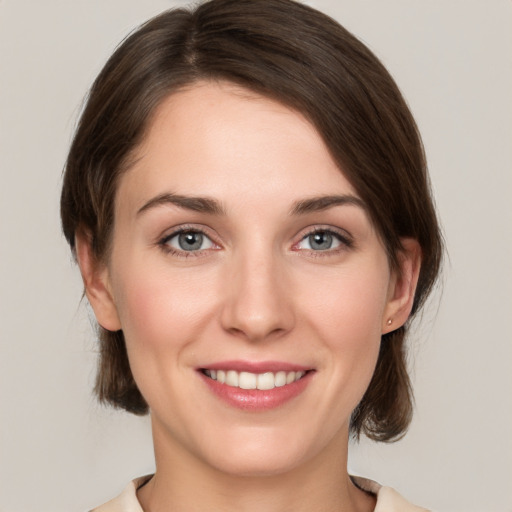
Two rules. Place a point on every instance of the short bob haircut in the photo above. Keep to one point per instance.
(293, 54)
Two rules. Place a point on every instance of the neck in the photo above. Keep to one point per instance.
(184, 483)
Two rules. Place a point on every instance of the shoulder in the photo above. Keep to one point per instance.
(388, 500)
(127, 501)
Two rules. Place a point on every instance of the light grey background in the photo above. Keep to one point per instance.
(60, 452)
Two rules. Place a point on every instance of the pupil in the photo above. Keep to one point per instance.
(190, 241)
(320, 241)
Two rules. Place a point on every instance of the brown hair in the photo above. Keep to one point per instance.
(304, 59)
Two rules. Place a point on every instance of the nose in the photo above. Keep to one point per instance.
(258, 304)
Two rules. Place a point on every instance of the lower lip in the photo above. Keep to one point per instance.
(256, 399)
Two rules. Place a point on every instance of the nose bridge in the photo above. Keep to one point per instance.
(256, 303)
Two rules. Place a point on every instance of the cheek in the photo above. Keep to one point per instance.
(347, 317)
(161, 310)
(162, 314)
(349, 306)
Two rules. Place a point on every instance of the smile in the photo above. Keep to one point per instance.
(248, 380)
(256, 386)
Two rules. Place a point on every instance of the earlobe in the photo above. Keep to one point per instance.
(96, 283)
(403, 286)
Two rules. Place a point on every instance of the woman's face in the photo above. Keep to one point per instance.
(242, 254)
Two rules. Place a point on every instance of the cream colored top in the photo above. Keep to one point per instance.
(388, 500)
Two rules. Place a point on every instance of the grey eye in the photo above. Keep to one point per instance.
(190, 241)
(320, 241)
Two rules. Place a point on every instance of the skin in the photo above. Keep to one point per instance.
(257, 290)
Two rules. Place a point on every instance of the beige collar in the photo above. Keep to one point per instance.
(388, 500)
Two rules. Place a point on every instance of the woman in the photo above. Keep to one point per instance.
(247, 198)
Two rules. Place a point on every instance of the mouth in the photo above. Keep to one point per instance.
(256, 386)
(248, 380)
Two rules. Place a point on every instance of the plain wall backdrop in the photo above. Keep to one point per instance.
(61, 452)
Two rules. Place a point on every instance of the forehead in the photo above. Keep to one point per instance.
(218, 139)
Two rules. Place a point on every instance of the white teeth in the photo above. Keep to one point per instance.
(247, 380)
(232, 378)
(280, 379)
(266, 381)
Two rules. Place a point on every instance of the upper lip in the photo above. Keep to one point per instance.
(256, 366)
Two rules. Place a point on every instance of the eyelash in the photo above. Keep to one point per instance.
(164, 242)
(345, 240)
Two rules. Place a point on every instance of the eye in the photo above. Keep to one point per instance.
(323, 240)
(188, 241)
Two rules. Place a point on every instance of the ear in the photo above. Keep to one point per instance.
(95, 276)
(402, 286)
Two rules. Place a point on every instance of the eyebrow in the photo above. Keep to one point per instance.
(213, 207)
(320, 203)
(196, 204)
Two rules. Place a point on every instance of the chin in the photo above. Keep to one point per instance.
(251, 466)
(259, 456)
